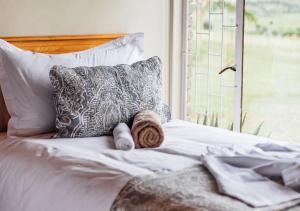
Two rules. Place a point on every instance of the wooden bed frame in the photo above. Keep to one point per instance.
(52, 45)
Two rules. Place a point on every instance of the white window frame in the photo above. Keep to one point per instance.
(239, 59)
(239, 56)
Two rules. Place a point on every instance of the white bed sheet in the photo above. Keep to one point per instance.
(39, 173)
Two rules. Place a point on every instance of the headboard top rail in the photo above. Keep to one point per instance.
(61, 37)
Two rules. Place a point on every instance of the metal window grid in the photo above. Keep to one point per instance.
(187, 55)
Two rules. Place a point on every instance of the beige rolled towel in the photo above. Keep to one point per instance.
(146, 130)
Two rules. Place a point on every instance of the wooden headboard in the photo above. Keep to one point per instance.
(52, 45)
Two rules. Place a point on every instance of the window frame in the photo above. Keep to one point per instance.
(239, 59)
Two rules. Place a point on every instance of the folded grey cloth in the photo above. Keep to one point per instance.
(267, 176)
(247, 184)
(291, 177)
(122, 137)
(287, 168)
(274, 147)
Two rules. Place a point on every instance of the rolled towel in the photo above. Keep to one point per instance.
(146, 130)
(122, 137)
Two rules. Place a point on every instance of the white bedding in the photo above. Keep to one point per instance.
(39, 173)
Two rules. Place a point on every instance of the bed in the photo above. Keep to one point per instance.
(40, 173)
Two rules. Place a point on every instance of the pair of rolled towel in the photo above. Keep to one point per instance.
(146, 132)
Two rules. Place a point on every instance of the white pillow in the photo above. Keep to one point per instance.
(24, 79)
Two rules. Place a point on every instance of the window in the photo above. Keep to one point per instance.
(257, 45)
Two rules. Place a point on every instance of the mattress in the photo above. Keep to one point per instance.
(40, 173)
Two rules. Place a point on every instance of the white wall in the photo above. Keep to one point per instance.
(59, 17)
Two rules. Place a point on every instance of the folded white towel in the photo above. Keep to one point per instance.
(122, 137)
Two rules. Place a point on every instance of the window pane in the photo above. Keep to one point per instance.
(211, 46)
(271, 99)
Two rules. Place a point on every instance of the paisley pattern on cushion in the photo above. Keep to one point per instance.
(167, 116)
(91, 101)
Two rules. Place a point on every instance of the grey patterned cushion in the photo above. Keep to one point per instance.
(91, 101)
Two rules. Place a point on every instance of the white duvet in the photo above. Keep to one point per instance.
(39, 173)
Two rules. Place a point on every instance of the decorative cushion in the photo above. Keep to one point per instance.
(91, 101)
(24, 79)
(167, 116)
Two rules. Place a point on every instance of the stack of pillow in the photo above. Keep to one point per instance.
(93, 90)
